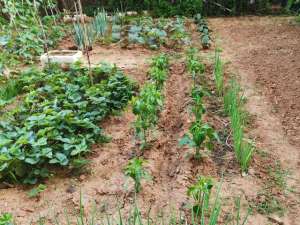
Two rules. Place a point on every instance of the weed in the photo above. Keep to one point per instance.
(10, 89)
(268, 204)
(135, 170)
(278, 176)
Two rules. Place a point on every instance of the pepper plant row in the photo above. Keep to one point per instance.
(147, 105)
(58, 120)
(201, 135)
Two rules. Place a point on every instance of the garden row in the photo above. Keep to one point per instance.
(146, 31)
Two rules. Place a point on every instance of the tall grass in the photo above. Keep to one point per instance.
(232, 106)
(10, 89)
(218, 73)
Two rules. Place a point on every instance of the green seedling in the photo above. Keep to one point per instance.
(198, 108)
(200, 192)
(159, 76)
(35, 192)
(200, 136)
(194, 65)
(161, 62)
(135, 170)
(146, 107)
(202, 211)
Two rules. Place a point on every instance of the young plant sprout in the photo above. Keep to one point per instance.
(146, 107)
(135, 170)
(200, 193)
(200, 135)
(194, 65)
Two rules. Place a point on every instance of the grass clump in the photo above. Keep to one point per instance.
(219, 73)
(232, 106)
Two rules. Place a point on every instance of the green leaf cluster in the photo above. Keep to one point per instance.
(150, 101)
(57, 121)
(204, 30)
(194, 65)
(135, 170)
(200, 134)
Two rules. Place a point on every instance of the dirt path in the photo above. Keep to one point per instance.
(265, 53)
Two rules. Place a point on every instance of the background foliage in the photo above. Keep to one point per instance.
(185, 7)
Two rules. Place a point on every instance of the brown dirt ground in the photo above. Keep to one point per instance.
(105, 184)
(265, 53)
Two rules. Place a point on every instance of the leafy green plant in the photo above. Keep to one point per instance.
(194, 65)
(200, 193)
(204, 30)
(232, 105)
(159, 76)
(200, 135)
(135, 170)
(57, 121)
(203, 212)
(145, 107)
(161, 62)
(159, 70)
(6, 219)
(218, 73)
(35, 192)
(198, 108)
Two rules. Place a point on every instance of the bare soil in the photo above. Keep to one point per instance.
(104, 183)
(264, 52)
